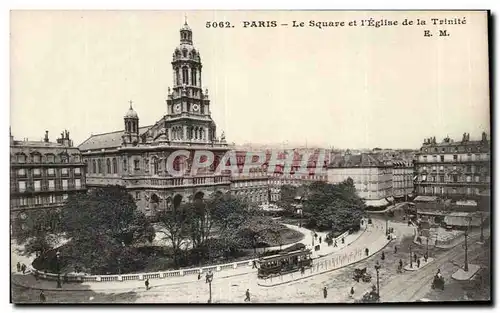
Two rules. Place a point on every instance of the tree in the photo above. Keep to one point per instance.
(37, 230)
(103, 225)
(259, 229)
(287, 197)
(175, 225)
(334, 207)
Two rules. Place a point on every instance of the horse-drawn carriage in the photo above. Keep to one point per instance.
(438, 282)
(361, 274)
(283, 263)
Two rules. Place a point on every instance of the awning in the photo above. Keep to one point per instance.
(376, 203)
(425, 199)
(466, 203)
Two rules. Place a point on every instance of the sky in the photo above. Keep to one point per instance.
(347, 87)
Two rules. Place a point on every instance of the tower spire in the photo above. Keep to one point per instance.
(185, 19)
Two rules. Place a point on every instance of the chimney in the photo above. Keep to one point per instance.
(46, 139)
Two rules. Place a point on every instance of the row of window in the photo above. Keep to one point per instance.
(455, 158)
(452, 149)
(50, 185)
(47, 158)
(111, 167)
(468, 168)
(38, 200)
(37, 172)
(455, 178)
(443, 190)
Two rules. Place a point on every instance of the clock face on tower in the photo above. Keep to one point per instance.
(196, 107)
(177, 108)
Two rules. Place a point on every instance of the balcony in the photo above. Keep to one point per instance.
(174, 182)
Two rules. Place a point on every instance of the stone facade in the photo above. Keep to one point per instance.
(372, 178)
(454, 169)
(43, 174)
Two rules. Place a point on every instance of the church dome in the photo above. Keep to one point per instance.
(131, 113)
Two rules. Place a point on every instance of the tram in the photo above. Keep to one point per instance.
(283, 263)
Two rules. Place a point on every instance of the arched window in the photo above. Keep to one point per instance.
(193, 77)
(184, 52)
(21, 158)
(177, 76)
(94, 168)
(99, 166)
(155, 166)
(108, 166)
(35, 157)
(115, 166)
(185, 76)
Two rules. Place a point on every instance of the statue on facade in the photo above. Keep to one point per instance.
(222, 137)
(484, 138)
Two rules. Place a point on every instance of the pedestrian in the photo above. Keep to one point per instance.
(320, 240)
(18, 267)
(352, 292)
(418, 262)
(42, 296)
(247, 295)
(395, 249)
(400, 263)
(415, 257)
(335, 244)
(66, 280)
(302, 270)
(366, 251)
(199, 275)
(343, 240)
(147, 284)
(361, 222)
(254, 264)
(23, 268)
(35, 273)
(325, 292)
(383, 256)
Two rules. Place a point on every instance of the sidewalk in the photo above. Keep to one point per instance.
(29, 281)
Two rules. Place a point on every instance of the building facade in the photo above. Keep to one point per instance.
(136, 157)
(42, 175)
(455, 170)
(372, 178)
(402, 179)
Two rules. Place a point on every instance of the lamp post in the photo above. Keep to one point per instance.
(466, 265)
(377, 268)
(387, 226)
(58, 265)
(411, 261)
(427, 247)
(119, 266)
(481, 238)
(209, 278)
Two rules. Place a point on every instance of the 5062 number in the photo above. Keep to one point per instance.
(218, 25)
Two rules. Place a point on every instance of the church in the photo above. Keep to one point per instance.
(136, 156)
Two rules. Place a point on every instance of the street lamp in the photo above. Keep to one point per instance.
(58, 265)
(377, 268)
(119, 266)
(481, 238)
(411, 261)
(209, 278)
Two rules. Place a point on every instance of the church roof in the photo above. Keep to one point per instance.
(106, 140)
